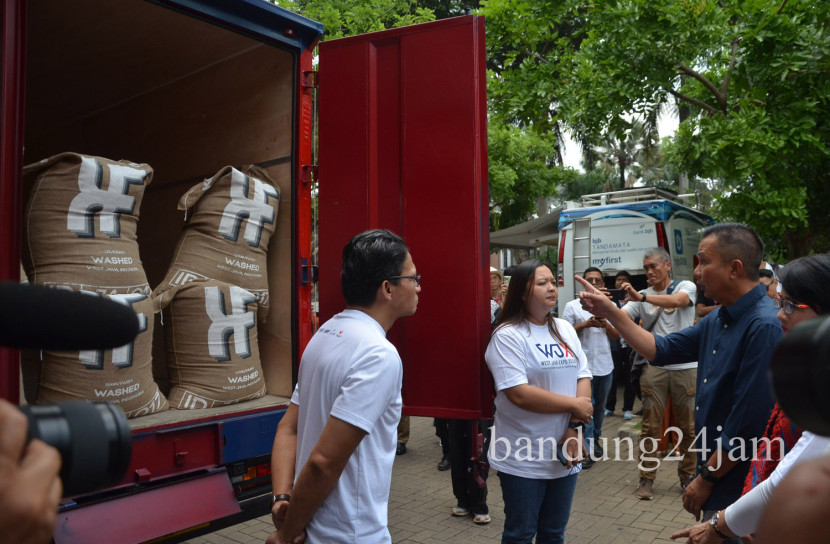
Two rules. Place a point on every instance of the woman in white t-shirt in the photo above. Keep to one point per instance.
(543, 400)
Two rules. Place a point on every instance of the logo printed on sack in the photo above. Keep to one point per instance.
(122, 357)
(256, 210)
(108, 204)
(190, 401)
(223, 325)
(183, 276)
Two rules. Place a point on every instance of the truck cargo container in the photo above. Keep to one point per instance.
(191, 86)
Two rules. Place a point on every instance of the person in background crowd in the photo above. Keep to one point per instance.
(704, 305)
(335, 446)
(595, 335)
(664, 307)
(497, 288)
(30, 488)
(621, 354)
(403, 435)
(805, 294)
(469, 469)
(770, 282)
(469, 478)
(441, 425)
(733, 348)
(543, 392)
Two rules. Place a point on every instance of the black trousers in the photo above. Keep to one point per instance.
(622, 375)
(442, 431)
(469, 477)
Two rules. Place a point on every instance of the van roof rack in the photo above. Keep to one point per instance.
(633, 194)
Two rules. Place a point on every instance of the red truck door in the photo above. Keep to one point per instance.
(403, 146)
(12, 23)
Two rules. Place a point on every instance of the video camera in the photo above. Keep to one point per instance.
(92, 438)
(800, 375)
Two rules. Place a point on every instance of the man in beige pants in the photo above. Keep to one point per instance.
(664, 307)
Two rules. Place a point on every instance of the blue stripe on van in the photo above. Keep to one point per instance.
(662, 210)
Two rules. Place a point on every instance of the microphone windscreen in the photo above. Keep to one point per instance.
(37, 317)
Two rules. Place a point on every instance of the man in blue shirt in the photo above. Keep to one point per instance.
(732, 345)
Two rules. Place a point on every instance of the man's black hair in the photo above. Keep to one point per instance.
(593, 269)
(736, 241)
(368, 259)
(622, 273)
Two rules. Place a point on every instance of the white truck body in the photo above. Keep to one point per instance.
(614, 231)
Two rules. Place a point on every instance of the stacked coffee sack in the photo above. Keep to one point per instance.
(216, 289)
(80, 233)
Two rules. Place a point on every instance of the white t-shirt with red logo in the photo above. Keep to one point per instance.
(350, 371)
(522, 442)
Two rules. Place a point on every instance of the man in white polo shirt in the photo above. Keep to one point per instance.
(595, 335)
(335, 446)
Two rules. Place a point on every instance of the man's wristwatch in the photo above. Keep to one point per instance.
(706, 474)
(576, 425)
(714, 524)
(281, 497)
(644, 297)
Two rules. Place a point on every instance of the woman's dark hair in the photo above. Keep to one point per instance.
(368, 259)
(807, 280)
(514, 311)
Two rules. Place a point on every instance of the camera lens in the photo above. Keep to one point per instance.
(800, 370)
(92, 438)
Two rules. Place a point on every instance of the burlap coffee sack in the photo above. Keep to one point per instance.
(212, 352)
(80, 223)
(122, 376)
(232, 217)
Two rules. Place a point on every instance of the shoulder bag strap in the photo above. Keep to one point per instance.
(671, 287)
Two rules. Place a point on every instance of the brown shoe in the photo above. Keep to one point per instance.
(644, 491)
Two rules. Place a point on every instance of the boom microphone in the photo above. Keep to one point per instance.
(37, 317)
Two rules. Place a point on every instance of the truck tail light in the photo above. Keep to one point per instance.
(257, 471)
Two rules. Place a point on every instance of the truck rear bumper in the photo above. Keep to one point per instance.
(149, 514)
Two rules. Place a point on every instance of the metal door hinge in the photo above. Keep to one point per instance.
(311, 79)
(309, 173)
(308, 272)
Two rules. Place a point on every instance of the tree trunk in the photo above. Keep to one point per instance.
(800, 243)
(683, 183)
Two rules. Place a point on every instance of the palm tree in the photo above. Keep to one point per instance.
(623, 148)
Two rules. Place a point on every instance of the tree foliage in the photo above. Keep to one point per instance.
(343, 18)
(520, 169)
(752, 75)
(624, 152)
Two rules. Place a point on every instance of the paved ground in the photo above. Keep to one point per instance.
(605, 510)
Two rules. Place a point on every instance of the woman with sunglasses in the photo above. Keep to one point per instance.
(805, 294)
(543, 401)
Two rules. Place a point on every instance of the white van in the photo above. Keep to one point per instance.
(613, 230)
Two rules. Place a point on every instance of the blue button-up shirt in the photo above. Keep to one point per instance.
(733, 347)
